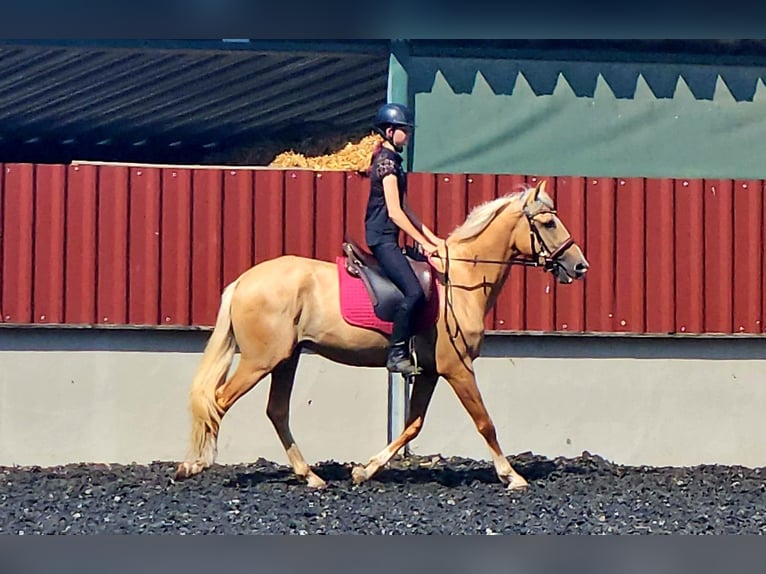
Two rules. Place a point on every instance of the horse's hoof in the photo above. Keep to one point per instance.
(358, 475)
(183, 472)
(314, 481)
(188, 469)
(517, 483)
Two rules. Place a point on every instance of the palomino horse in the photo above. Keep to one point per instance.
(279, 306)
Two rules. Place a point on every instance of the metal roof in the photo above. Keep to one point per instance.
(129, 102)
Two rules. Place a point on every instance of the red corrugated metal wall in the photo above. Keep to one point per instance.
(129, 245)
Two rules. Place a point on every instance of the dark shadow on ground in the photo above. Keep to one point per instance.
(421, 470)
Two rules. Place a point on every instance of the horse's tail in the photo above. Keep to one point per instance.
(216, 360)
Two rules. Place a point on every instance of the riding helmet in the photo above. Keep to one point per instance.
(394, 115)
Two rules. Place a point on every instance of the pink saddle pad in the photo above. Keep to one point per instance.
(356, 307)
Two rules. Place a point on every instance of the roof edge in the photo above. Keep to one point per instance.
(375, 47)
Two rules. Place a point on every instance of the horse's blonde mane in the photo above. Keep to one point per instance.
(483, 214)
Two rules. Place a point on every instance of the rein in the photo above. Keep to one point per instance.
(540, 257)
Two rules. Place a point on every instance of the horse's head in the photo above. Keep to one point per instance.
(541, 236)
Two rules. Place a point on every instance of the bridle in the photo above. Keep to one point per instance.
(542, 255)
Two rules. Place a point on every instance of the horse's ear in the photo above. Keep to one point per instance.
(538, 188)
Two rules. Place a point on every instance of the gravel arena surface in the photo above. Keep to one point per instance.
(412, 495)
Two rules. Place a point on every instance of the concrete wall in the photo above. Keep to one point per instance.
(110, 396)
(120, 396)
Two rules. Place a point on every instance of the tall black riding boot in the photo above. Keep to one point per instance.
(399, 360)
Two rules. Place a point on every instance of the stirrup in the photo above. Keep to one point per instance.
(406, 362)
(404, 367)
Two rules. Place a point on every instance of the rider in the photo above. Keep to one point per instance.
(387, 214)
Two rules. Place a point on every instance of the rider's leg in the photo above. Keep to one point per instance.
(397, 268)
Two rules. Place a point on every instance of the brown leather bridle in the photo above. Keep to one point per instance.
(544, 256)
(541, 256)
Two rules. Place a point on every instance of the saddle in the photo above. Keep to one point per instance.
(384, 295)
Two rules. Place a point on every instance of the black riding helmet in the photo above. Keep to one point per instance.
(393, 115)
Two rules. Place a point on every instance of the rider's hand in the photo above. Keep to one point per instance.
(434, 257)
(436, 246)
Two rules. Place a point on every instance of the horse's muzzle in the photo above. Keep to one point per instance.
(566, 274)
(580, 270)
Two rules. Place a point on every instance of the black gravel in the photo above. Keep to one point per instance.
(415, 495)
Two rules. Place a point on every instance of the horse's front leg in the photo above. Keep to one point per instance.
(422, 391)
(463, 382)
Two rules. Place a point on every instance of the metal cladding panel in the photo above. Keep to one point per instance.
(18, 242)
(719, 254)
(451, 203)
(600, 248)
(570, 299)
(330, 214)
(48, 258)
(269, 214)
(144, 247)
(238, 232)
(299, 222)
(175, 247)
(630, 257)
(206, 252)
(81, 245)
(357, 190)
(509, 307)
(762, 261)
(421, 197)
(114, 202)
(689, 241)
(748, 249)
(660, 275)
(3, 170)
(481, 189)
(120, 245)
(539, 296)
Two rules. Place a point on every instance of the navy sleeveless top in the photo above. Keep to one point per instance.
(379, 228)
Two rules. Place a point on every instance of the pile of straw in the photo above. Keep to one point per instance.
(354, 156)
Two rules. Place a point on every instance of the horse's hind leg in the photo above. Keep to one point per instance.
(278, 411)
(245, 377)
(422, 391)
